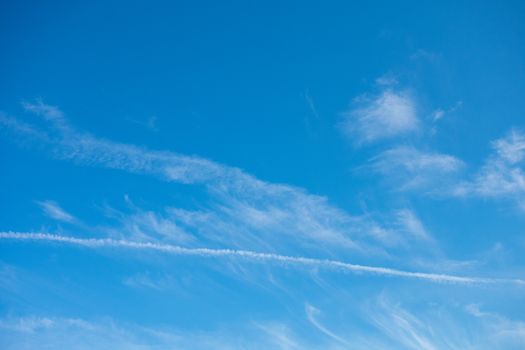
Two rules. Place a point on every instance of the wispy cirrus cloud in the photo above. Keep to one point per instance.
(443, 327)
(144, 225)
(391, 326)
(406, 230)
(55, 211)
(311, 314)
(390, 113)
(31, 331)
(501, 330)
(404, 328)
(439, 113)
(234, 192)
(387, 80)
(241, 210)
(502, 175)
(512, 147)
(412, 169)
(412, 225)
(52, 114)
(145, 280)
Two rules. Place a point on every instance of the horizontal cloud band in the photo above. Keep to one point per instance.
(254, 256)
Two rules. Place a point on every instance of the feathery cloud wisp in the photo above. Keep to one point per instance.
(412, 225)
(512, 147)
(414, 169)
(54, 211)
(311, 315)
(502, 175)
(389, 114)
(443, 327)
(254, 210)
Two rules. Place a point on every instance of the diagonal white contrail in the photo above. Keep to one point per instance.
(254, 256)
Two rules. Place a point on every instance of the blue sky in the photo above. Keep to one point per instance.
(262, 175)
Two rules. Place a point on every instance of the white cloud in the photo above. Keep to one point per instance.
(404, 328)
(425, 55)
(502, 331)
(51, 113)
(412, 225)
(446, 327)
(34, 332)
(146, 225)
(512, 147)
(393, 326)
(22, 128)
(311, 314)
(145, 280)
(54, 211)
(403, 230)
(502, 175)
(387, 115)
(432, 329)
(386, 80)
(28, 324)
(39, 107)
(242, 210)
(440, 113)
(107, 333)
(411, 169)
(281, 337)
(255, 257)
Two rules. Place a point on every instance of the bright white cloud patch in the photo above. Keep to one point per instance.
(389, 114)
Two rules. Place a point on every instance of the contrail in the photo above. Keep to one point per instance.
(254, 256)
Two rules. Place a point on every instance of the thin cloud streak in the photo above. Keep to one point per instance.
(311, 104)
(54, 211)
(257, 257)
(311, 313)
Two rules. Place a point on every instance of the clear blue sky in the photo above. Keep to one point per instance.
(262, 175)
